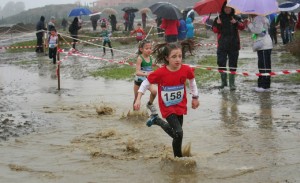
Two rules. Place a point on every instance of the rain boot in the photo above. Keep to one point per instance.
(231, 82)
(224, 80)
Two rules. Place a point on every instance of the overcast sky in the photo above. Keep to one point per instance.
(40, 3)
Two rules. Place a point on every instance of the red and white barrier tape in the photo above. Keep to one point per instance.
(124, 61)
(283, 72)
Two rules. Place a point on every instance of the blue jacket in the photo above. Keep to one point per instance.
(182, 30)
(190, 28)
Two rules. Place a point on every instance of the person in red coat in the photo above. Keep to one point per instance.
(171, 29)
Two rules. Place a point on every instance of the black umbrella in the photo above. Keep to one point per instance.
(130, 9)
(187, 9)
(166, 10)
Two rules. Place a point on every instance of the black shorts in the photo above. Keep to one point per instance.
(138, 83)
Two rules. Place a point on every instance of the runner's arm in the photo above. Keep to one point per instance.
(193, 87)
(144, 86)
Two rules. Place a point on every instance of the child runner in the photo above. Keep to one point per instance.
(140, 33)
(105, 34)
(143, 69)
(52, 44)
(172, 98)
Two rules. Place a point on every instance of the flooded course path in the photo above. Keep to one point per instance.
(57, 136)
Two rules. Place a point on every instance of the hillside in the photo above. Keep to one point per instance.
(61, 11)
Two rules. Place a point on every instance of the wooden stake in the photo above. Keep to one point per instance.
(58, 65)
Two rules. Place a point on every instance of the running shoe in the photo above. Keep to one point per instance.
(151, 120)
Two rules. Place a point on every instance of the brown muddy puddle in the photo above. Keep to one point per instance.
(87, 131)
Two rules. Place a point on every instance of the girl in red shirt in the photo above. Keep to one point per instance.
(172, 98)
(140, 33)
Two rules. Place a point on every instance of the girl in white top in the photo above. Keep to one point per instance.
(52, 44)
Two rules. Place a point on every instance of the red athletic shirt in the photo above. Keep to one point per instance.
(171, 89)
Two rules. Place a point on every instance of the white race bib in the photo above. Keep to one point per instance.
(172, 95)
(51, 45)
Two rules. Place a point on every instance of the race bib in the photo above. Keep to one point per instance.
(172, 95)
(139, 34)
(51, 45)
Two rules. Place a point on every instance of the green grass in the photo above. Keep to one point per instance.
(25, 43)
(26, 62)
(205, 76)
(118, 72)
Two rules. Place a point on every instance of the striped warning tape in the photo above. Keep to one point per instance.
(124, 62)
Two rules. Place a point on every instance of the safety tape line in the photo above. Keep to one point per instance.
(84, 55)
(124, 62)
(70, 43)
(283, 72)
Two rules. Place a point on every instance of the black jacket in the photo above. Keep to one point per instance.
(40, 26)
(228, 35)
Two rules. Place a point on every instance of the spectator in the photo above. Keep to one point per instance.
(191, 14)
(226, 25)
(258, 27)
(126, 21)
(171, 29)
(131, 18)
(144, 20)
(64, 24)
(273, 29)
(40, 28)
(113, 22)
(284, 25)
(94, 19)
(190, 28)
(182, 30)
(73, 29)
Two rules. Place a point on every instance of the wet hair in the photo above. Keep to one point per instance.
(142, 44)
(163, 50)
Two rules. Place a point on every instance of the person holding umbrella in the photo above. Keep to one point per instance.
(283, 20)
(113, 22)
(73, 29)
(226, 25)
(131, 17)
(144, 20)
(259, 27)
(94, 19)
(171, 29)
(126, 20)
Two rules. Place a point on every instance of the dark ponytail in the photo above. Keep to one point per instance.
(163, 50)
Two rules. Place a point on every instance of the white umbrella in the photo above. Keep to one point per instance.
(288, 6)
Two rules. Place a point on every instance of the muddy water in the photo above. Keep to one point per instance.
(57, 136)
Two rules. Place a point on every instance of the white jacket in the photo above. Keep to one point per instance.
(258, 25)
